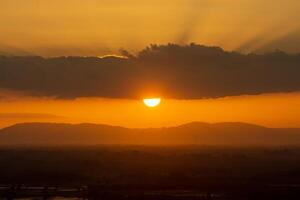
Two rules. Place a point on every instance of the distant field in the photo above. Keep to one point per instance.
(151, 172)
(177, 166)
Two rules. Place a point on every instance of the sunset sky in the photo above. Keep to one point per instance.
(195, 83)
(97, 27)
(272, 110)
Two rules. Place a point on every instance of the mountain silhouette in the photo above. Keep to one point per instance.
(195, 133)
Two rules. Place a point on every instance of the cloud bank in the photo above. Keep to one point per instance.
(172, 71)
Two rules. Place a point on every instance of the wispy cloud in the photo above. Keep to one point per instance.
(28, 116)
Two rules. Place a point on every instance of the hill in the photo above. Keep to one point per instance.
(195, 133)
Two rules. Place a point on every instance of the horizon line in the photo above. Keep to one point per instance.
(143, 128)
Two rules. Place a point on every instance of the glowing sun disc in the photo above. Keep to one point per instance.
(152, 102)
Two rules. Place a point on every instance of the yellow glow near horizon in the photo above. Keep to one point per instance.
(271, 110)
(153, 102)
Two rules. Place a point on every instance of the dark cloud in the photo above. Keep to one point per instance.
(182, 72)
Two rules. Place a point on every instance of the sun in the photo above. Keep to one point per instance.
(152, 102)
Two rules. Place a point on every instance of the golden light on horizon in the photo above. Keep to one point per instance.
(152, 102)
(283, 112)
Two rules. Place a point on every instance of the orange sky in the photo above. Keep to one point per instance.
(273, 110)
(92, 27)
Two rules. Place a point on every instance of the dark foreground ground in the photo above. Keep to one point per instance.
(136, 172)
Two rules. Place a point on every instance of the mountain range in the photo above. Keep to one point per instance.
(195, 133)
